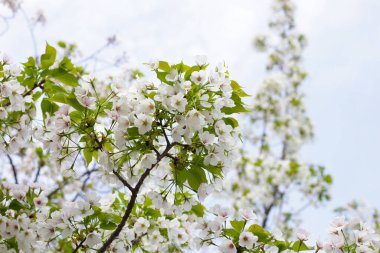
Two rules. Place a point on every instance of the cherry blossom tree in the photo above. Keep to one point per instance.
(125, 163)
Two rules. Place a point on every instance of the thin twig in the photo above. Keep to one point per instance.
(13, 168)
(79, 245)
(37, 174)
(123, 180)
(164, 132)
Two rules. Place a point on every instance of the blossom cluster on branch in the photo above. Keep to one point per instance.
(270, 172)
(125, 164)
(156, 149)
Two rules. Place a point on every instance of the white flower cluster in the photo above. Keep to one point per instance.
(158, 149)
(16, 110)
(270, 172)
(265, 180)
(350, 236)
(186, 113)
(32, 223)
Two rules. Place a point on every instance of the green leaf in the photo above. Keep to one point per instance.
(198, 210)
(237, 88)
(64, 77)
(37, 95)
(239, 105)
(48, 58)
(51, 88)
(262, 234)
(39, 152)
(163, 65)
(87, 155)
(180, 176)
(108, 221)
(328, 179)
(29, 82)
(16, 205)
(108, 225)
(72, 100)
(30, 63)
(12, 243)
(133, 132)
(48, 107)
(162, 77)
(61, 44)
(195, 177)
(190, 71)
(231, 121)
(154, 213)
(237, 225)
(76, 116)
(215, 170)
(66, 64)
(300, 246)
(281, 245)
(230, 232)
(181, 67)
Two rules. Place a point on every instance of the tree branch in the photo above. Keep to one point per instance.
(123, 180)
(79, 245)
(35, 86)
(164, 132)
(132, 201)
(13, 168)
(37, 174)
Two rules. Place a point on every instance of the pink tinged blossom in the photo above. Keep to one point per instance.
(302, 234)
(88, 102)
(40, 201)
(334, 244)
(248, 214)
(228, 247)
(337, 224)
(247, 239)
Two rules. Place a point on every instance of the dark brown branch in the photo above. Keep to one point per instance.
(51, 194)
(35, 86)
(132, 201)
(267, 211)
(13, 168)
(164, 132)
(277, 195)
(123, 180)
(79, 245)
(138, 239)
(37, 174)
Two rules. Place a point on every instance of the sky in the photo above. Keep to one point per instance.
(342, 59)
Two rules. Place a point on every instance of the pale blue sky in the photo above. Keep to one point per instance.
(343, 57)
